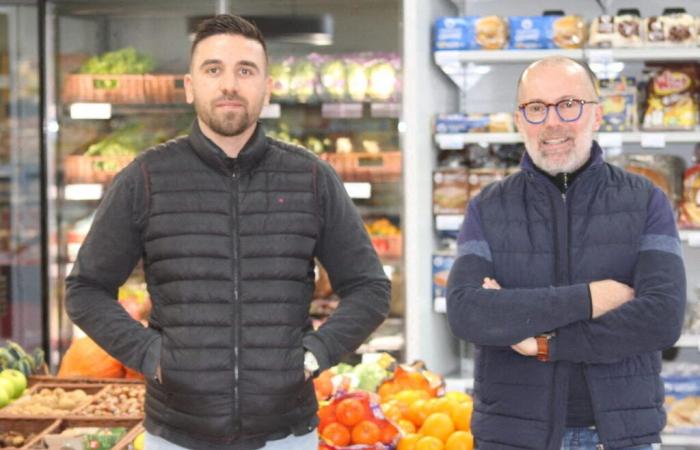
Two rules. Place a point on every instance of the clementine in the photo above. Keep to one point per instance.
(409, 441)
(462, 416)
(366, 432)
(429, 443)
(460, 440)
(336, 434)
(350, 411)
(438, 425)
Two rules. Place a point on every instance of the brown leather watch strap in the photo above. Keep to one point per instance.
(543, 347)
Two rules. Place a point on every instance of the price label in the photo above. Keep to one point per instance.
(271, 111)
(653, 140)
(450, 141)
(341, 110)
(610, 140)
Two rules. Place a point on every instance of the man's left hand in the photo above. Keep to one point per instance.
(528, 347)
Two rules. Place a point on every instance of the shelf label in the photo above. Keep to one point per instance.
(359, 190)
(653, 140)
(600, 56)
(389, 110)
(341, 110)
(100, 111)
(448, 222)
(271, 111)
(450, 141)
(610, 140)
(82, 192)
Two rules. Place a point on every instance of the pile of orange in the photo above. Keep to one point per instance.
(431, 423)
(349, 420)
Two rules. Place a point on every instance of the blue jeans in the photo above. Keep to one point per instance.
(587, 439)
(309, 441)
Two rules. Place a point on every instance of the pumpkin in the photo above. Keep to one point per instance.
(132, 374)
(84, 358)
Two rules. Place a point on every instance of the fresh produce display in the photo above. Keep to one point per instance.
(13, 356)
(356, 77)
(117, 400)
(14, 439)
(47, 402)
(126, 60)
(104, 438)
(84, 358)
(356, 420)
(382, 227)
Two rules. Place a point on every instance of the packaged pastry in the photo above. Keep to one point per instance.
(618, 100)
(690, 206)
(501, 123)
(453, 33)
(480, 178)
(654, 30)
(530, 32)
(491, 32)
(450, 191)
(602, 32)
(568, 32)
(679, 27)
(628, 25)
(665, 171)
(672, 102)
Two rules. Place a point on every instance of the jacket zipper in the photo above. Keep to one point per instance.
(237, 303)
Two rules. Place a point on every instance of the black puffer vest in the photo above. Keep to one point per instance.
(229, 264)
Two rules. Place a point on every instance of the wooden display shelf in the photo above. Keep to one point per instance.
(93, 169)
(92, 390)
(133, 428)
(51, 379)
(37, 427)
(363, 166)
(124, 89)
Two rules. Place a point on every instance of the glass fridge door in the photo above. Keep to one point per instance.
(20, 181)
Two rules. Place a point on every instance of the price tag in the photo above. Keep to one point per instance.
(653, 140)
(358, 190)
(390, 110)
(450, 141)
(600, 56)
(610, 140)
(451, 222)
(91, 111)
(341, 110)
(271, 111)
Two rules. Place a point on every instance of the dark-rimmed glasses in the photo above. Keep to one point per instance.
(568, 110)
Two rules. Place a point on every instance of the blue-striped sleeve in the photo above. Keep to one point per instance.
(660, 231)
(470, 240)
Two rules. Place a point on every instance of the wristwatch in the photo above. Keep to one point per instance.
(310, 363)
(543, 346)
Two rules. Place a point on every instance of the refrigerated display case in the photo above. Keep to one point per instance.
(102, 120)
(21, 292)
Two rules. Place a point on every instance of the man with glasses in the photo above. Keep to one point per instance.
(569, 280)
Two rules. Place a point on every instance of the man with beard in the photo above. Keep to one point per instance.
(569, 280)
(228, 223)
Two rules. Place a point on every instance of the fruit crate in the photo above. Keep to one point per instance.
(118, 89)
(13, 411)
(52, 379)
(93, 169)
(26, 427)
(52, 439)
(364, 166)
(388, 246)
(164, 89)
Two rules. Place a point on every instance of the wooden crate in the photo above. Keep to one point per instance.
(37, 427)
(93, 169)
(119, 89)
(99, 399)
(164, 89)
(91, 389)
(362, 166)
(52, 379)
(133, 427)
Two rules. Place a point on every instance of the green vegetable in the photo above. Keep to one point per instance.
(126, 60)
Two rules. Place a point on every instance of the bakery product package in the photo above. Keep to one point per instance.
(470, 33)
(628, 28)
(672, 97)
(602, 32)
(618, 100)
(568, 32)
(530, 32)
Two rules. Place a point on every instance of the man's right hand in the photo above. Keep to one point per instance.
(607, 295)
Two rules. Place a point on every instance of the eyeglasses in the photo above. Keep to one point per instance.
(568, 110)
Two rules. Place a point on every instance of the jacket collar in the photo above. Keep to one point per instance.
(596, 159)
(251, 154)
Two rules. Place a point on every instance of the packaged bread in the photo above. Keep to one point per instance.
(602, 32)
(628, 25)
(665, 171)
(491, 32)
(450, 191)
(679, 27)
(568, 32)
(690, 206)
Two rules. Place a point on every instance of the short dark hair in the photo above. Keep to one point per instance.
(228, 24)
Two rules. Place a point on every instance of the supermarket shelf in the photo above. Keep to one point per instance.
(690, 236)
(652, 139)
(450, 57)
(689, 341)
(679, 439)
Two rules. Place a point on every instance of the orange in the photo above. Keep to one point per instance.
(387, 433)
(444, 405)
(417, 412)
(326, 415)
(406, 426)
(366, 432)
(409, 441)
(462, 416)
(350, 412)
(392, 411)
(460, 440)
(459, 396)
(438, 425)
(429, 443)
(411, 395)
(388, 389)
(336, 434)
